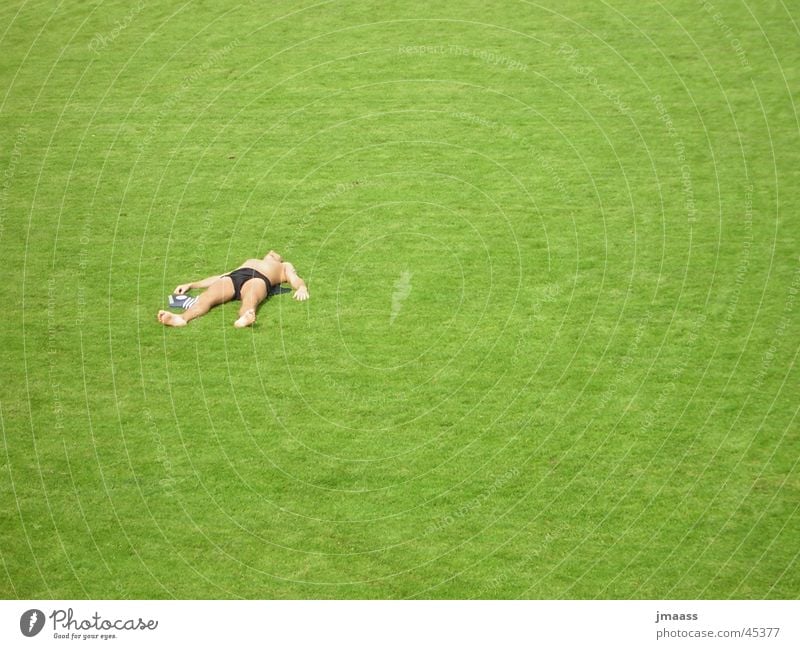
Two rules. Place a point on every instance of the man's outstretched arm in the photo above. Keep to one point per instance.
(203, 283)
(297, 283)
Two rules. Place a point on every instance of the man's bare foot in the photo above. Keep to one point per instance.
(246, 319)
(171, 319)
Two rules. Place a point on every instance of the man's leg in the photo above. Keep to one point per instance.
(219, 292)
(253, 293)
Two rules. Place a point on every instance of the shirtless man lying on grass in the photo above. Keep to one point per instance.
(249, 283)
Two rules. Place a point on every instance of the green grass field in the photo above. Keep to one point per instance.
(551, 346)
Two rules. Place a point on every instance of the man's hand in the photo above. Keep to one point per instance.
(290, 275)
(181, 289)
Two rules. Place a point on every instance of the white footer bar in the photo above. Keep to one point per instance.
(400, 624)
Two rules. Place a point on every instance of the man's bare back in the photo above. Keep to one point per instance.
(249, 282)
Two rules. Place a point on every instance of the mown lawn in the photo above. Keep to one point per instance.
(551, 346)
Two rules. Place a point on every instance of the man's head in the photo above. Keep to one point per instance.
(274, 256)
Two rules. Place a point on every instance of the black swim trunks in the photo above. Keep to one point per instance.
(242, 275)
